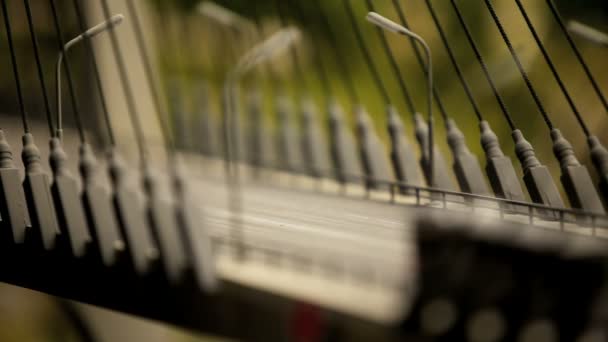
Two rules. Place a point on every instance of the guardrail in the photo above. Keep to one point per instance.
(533, 211)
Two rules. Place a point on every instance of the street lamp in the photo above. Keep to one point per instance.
(390, 25)
(260, 53)
(88, 34)
(224, 16)
(589, 33)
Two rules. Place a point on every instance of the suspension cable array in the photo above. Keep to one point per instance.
(519, 65)
(127, 90)
(43, 89)
(18, 87)
(575, 177)
(484, 66)
(342, 145)
(68, 71)
(371, 152)
(401, 14)
(83, 25)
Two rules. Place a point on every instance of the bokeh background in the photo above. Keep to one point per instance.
(192, 55)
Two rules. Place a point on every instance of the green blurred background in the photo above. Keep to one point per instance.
(192, 49)
(203, 51)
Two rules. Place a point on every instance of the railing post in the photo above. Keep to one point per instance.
(417, 196)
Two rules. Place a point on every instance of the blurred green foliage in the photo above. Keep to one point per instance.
(212, 49)
(192, 49)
